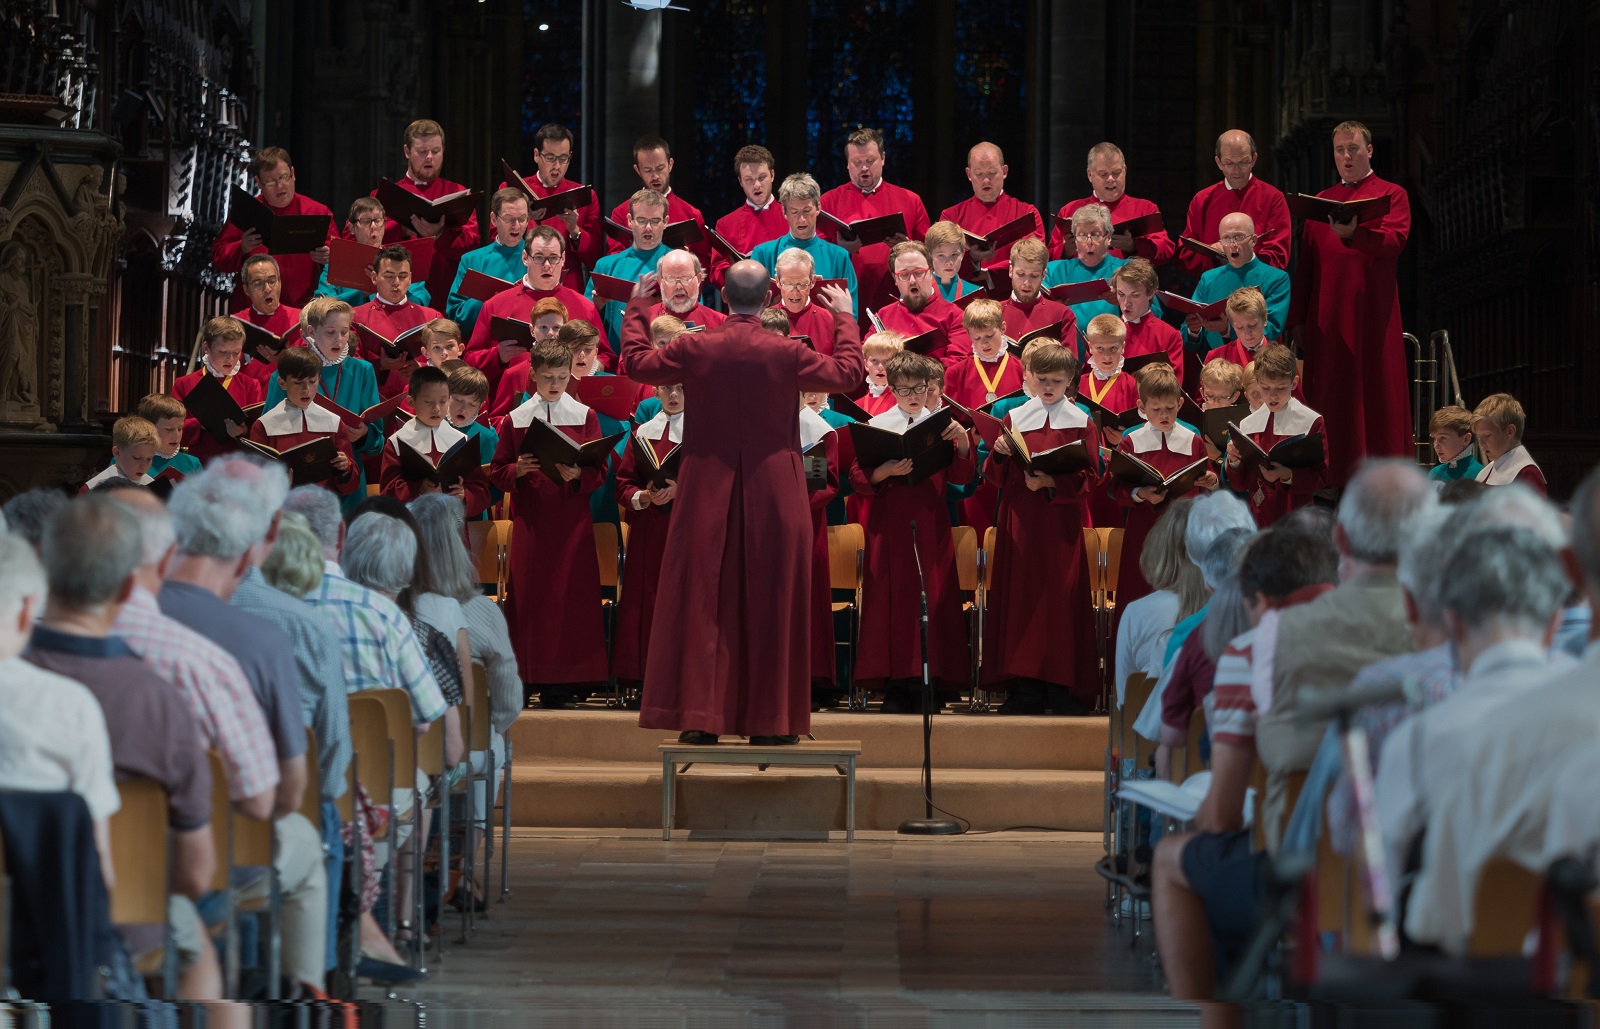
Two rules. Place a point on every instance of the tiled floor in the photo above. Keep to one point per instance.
(626, 929)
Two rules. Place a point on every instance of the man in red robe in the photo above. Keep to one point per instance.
(1027, 308)
(680, 277)
(581, 229)
(652, 162)
(543, 253)
(263, 284)
(1345, 314)
(1108, 177)
(920, 307)
(759, 218)
(423, 146)
(867, 195)
(732, 653)
(274, 171)
(389, 313)
(989, 207)
(1239, 191)
(796, 274)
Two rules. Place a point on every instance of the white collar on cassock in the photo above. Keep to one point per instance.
(813, 427)
(565, 411)
(875, 389)
(423, 439)
(896, 420)
(1295, 419)
(112, 473)
(1147, 438)
(669, 424)
(392, 303)
(770, 201)
(1107, 376)
(1503, 470)
(286, 418)
(1035, 414)
(206, 361)
(1246, 185)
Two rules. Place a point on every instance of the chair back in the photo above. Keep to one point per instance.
(988, 557)
(846, 545)
(965, 538)
(139, 854)
(481, 729)
(430, 749)
(1112, 565)
(397, 705)
(1505, 906)
(608, 548)
(483, 543)
(369, 737)
(1094, 553)
(1197, 729)
(221, 820)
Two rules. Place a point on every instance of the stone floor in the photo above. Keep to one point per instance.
(1007, 928)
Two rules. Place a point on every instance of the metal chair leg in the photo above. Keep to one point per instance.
(505, 828)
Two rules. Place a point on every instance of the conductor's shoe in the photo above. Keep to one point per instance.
(697, 738)
(774, 741)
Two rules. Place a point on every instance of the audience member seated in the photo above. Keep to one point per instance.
(29, 514)
(1204, 882)
(1177, 591)
(92, 551)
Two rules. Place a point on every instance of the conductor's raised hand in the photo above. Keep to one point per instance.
(646, 286)
(837, 299)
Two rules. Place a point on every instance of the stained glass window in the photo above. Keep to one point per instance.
(552, 90)
(730, 97)
(860, 65)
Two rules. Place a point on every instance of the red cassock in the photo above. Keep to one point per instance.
(298, 274)
(1234, 351)
(277, 323)
(591, 245)
(814, 428)
(890, 643)
(647, 545)
(198, 441)
(876, 403)
(433, 444)
(1151, 335)
(1515, 465)
(389, 321)
(448, 246)
(746, 228)
(732, 653)
(979, 218)
(1118, 393)
(483, 352)
(975, 382)
(1270, 501)
(1024, 316)
(288, 426)
(1040, 624)
(939, 314)
(553, 578)
(875, 285)
(1168, 452)
(1156, 248)
(814, 322)
(678, 210)
(1263, 203)
(1345, 314)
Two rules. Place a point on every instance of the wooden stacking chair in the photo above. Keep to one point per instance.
(608, 548)
(847, 571)
(1094, 556)
(431, 762)
(255, 845)
(141, 854)
(402, 734)
(483, 543)
(981, 700)
(478, 733)
(1505, 907)
(369, 737)
(964, 538)
(222, 819)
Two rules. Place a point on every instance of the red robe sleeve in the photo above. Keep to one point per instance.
(475, 493)
(630, 481)
(1272, 237)
(503, 466)
(1070, 489)
(227, 253)
(1387, 236)
(352, 476)
(1157, 248)
(1533, 478)
(393, 483)
(1194, 228)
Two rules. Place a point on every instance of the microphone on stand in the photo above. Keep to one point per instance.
(927, 825)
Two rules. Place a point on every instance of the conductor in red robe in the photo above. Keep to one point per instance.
(1345, 314)
(1108, 178)
(867, 195)
(423, 147)
(1239, 191)
(731, 654)
(989, 207)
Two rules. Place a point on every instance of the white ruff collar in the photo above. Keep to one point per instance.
(285, 419)
(206, 360)
(896, 420)
(1503, 470)
(565, 411)
(1179, 441)
(112, 473)
(875, 389)
(1294, 420)
(813, 427)
(423, 439)
(1107, 376)
(1035, 414)
(669, 424)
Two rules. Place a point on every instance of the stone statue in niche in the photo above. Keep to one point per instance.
(19, 330)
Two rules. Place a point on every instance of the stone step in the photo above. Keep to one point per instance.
(982, 741)
(627, 795)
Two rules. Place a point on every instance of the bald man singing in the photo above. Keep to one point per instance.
(1238, 192)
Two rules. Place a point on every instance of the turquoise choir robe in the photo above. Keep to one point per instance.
(494, 259)
(1220, 282)
(629, 264)
(831, 260)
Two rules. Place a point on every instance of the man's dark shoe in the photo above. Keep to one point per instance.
(555, 699)
(385, 973)
(695, 737)
(774, 741)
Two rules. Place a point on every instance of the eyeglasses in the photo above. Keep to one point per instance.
(276, 180)
(544, 258)
(648, 223)
(794, 285)
(1237, 238)
(681, 280)
(911, 274)
(261, 283)
(369, 223)
(556, 159)
(1090, 237)
(1238, 165)
(910, 391)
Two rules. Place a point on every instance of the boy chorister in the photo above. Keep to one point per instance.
(1450, 430)
(133, 447)
(444, 342)
(647, 509)
(469, 389)
(547, 317)
(947, 251)
(1221, 385)
(1272, 490)
(222, 353)
(1499, 421)
(992, 371)
(1039, 640)
(889, 655)
(553, 582)
(1167, 446)
(430, 434)
(1105, 382)
(297, 418)
(166, 413)
(818, 436)
(1252, 392)
(876, 350)
(1134, 286)
(1246, 311)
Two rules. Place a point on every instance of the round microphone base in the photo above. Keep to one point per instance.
(929, 827)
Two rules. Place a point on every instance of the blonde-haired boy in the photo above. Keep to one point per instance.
(876, 350)
(1028, 308)
(133, 447)
(1271, 489)
(991, 372)
(1499, 421)
(947, 251)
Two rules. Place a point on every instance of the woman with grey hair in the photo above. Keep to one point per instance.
(295, 563)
